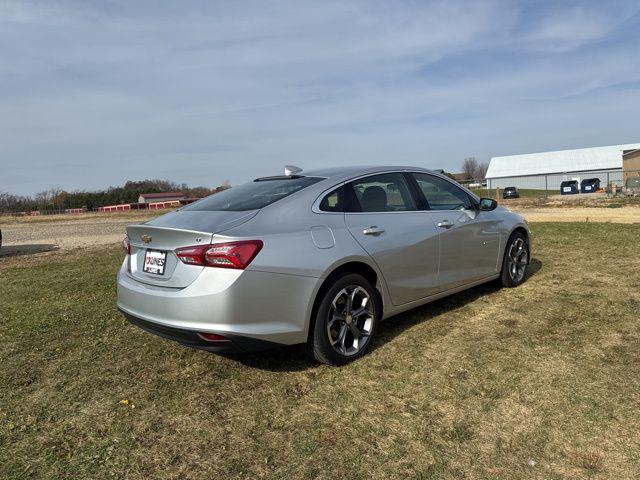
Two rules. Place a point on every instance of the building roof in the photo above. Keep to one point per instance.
(460, 176)
(162, 195)
(597, 158)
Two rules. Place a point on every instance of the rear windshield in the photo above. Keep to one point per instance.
(510, 189)
(253, 195)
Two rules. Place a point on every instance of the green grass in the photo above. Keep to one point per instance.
(472, 386)
(524, 192)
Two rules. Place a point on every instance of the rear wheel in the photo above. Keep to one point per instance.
(515, 261)
(345, 321)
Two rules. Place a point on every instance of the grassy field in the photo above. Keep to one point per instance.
(541, 381)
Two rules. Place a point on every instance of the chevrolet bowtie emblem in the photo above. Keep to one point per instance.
(146, 238)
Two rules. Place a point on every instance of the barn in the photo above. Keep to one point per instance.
(546, 170)
(161, 197)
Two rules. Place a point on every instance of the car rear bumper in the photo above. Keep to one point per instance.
(245, 306)
(189, 338)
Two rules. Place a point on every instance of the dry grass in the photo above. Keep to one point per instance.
(540, 381)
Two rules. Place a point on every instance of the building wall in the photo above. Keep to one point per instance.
(631, 165)
(552, 181)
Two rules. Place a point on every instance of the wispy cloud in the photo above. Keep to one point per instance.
(94, 93)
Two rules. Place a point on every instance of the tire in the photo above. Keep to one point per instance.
(515, 261)
(338, 336)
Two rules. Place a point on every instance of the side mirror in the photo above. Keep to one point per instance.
(487, 204)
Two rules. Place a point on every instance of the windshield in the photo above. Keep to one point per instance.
(253, 195)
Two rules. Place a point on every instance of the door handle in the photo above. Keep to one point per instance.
(445, 224)
(373, 230)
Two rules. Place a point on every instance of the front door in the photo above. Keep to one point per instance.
(469, 239)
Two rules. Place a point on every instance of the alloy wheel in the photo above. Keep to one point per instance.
(350, 320)
(518, 258)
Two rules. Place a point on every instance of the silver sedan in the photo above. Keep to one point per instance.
(319, 257)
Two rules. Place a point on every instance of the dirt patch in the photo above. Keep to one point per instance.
(571, 201)
(19, 250)
(630, 214)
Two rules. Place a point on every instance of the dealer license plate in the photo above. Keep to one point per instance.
(154, 262)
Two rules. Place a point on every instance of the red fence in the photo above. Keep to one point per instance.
(125, 207)
(115, 208)
(160, 205)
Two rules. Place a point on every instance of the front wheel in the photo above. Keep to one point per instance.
(345, 321)
(515, 261)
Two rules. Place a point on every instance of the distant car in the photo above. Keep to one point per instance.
(510, 192)
(590, 185)
(317, 258)
(569, 187)
(632, 186)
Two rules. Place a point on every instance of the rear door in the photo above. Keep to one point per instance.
(399, 237)
(469, 240)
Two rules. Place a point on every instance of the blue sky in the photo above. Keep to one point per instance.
(95, 93)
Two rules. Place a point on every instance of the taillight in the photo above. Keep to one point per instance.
(213, 337)
(236, 255)
(126, 245)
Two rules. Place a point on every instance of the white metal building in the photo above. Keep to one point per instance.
(548, 169)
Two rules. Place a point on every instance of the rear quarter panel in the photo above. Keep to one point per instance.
(289, 247)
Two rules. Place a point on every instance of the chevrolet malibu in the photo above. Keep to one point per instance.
(319, 257)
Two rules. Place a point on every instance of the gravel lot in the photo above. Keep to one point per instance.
(582, 214)
(41, 234)
(33, 235)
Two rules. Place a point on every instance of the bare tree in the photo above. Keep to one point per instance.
(470, 167)
(481, 173)
(474, 170)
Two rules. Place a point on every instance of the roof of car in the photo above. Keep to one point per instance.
(162, 194)
(331, 172)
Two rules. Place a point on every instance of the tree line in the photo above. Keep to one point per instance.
(56, 199)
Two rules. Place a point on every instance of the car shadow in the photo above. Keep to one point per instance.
(293, 358)
(31, 249)
(534, 267)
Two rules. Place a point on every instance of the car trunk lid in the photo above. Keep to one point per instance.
(160, 237)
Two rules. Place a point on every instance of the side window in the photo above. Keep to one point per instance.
(332, 202)
(342, 199)
(387, 192)
(441, 194)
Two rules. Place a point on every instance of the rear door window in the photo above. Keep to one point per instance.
(386, 192)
